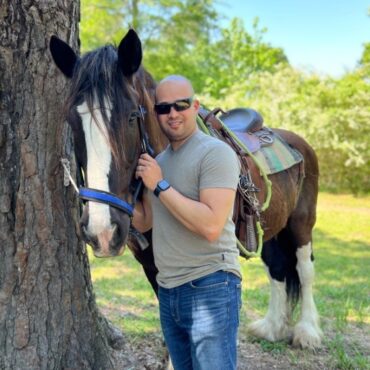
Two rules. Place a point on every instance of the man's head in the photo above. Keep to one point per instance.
(176, 109)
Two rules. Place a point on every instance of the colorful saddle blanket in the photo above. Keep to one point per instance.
(277, 156)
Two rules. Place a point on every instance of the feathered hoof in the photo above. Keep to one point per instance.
(307, 335)
(265, 329)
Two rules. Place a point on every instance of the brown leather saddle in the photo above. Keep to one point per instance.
(242, 119)
(245, 123)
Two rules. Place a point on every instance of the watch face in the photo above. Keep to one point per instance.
(163, 185)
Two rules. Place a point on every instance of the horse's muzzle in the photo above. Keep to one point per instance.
(109, 242)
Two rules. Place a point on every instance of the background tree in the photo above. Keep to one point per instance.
(172, 31)
(48, 316)
(234, 56)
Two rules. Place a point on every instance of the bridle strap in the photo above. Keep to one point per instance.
(145, 148)
(144, 140)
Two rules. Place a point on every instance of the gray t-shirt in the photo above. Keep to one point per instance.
(181, 255)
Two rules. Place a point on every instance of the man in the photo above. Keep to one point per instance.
(192, 186)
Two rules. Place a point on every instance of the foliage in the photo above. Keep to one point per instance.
(101, 22)
(234, 56)
(231, 67)
(188, 26)
(332, 114)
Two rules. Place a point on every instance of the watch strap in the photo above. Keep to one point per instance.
(161, 186)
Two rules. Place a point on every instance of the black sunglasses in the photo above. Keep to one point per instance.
(179, 106)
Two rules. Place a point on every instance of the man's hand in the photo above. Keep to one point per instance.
(149, 171)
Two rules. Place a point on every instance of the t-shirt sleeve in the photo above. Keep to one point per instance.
(219, 168)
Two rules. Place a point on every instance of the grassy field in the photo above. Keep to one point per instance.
(342, 289)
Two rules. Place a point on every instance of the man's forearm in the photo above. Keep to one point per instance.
(194, 215)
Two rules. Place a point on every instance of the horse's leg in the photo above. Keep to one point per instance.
(275, 325)
(307, 332)
(301, 221)
(146, 259)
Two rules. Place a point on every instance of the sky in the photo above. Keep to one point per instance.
(324, 36)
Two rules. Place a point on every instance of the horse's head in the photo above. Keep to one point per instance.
(109, 88)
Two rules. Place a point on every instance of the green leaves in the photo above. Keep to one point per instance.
(232, 67)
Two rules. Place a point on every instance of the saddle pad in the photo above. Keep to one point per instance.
(278, 156)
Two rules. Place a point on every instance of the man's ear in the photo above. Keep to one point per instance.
(130, 53)
(64, 57)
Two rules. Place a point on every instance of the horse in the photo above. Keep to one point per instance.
(110, 110)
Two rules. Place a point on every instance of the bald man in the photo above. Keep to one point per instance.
(192, 186)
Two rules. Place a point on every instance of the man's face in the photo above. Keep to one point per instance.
(177, 126)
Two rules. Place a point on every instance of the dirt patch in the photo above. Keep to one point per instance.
(149, 353)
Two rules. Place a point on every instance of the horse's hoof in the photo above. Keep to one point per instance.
(265, 329)
(307, 336)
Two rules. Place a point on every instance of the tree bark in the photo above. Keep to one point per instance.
(48, 315)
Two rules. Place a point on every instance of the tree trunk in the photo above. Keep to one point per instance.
(48, 314)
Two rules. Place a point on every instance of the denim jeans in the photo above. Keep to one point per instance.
(200, 322)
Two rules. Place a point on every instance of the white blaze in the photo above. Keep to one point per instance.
(99, 159)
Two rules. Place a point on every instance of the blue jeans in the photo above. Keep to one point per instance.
(200, 322)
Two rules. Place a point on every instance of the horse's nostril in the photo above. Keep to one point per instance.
(117, 235)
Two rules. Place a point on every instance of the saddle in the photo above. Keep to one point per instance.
(242, 120)
(245, 123)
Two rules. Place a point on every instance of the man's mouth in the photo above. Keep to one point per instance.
(174, 124)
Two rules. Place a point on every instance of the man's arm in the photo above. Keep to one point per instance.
(143, 218)
(206, 218)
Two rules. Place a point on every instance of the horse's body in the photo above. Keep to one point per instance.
(108, 86)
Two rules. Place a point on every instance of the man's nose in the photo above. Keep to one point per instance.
(173, 112)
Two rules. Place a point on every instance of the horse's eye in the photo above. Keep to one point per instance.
(132, 120)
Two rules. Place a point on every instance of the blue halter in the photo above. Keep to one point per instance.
(104, 197)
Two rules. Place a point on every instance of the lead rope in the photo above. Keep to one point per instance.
(67, 178)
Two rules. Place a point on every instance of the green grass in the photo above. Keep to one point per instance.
(342, 289)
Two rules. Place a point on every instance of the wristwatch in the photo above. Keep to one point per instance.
(161, 186)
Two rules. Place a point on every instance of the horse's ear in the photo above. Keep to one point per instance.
(64, 57)
(130, 53)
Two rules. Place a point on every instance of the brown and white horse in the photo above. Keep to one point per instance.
(110, 91)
